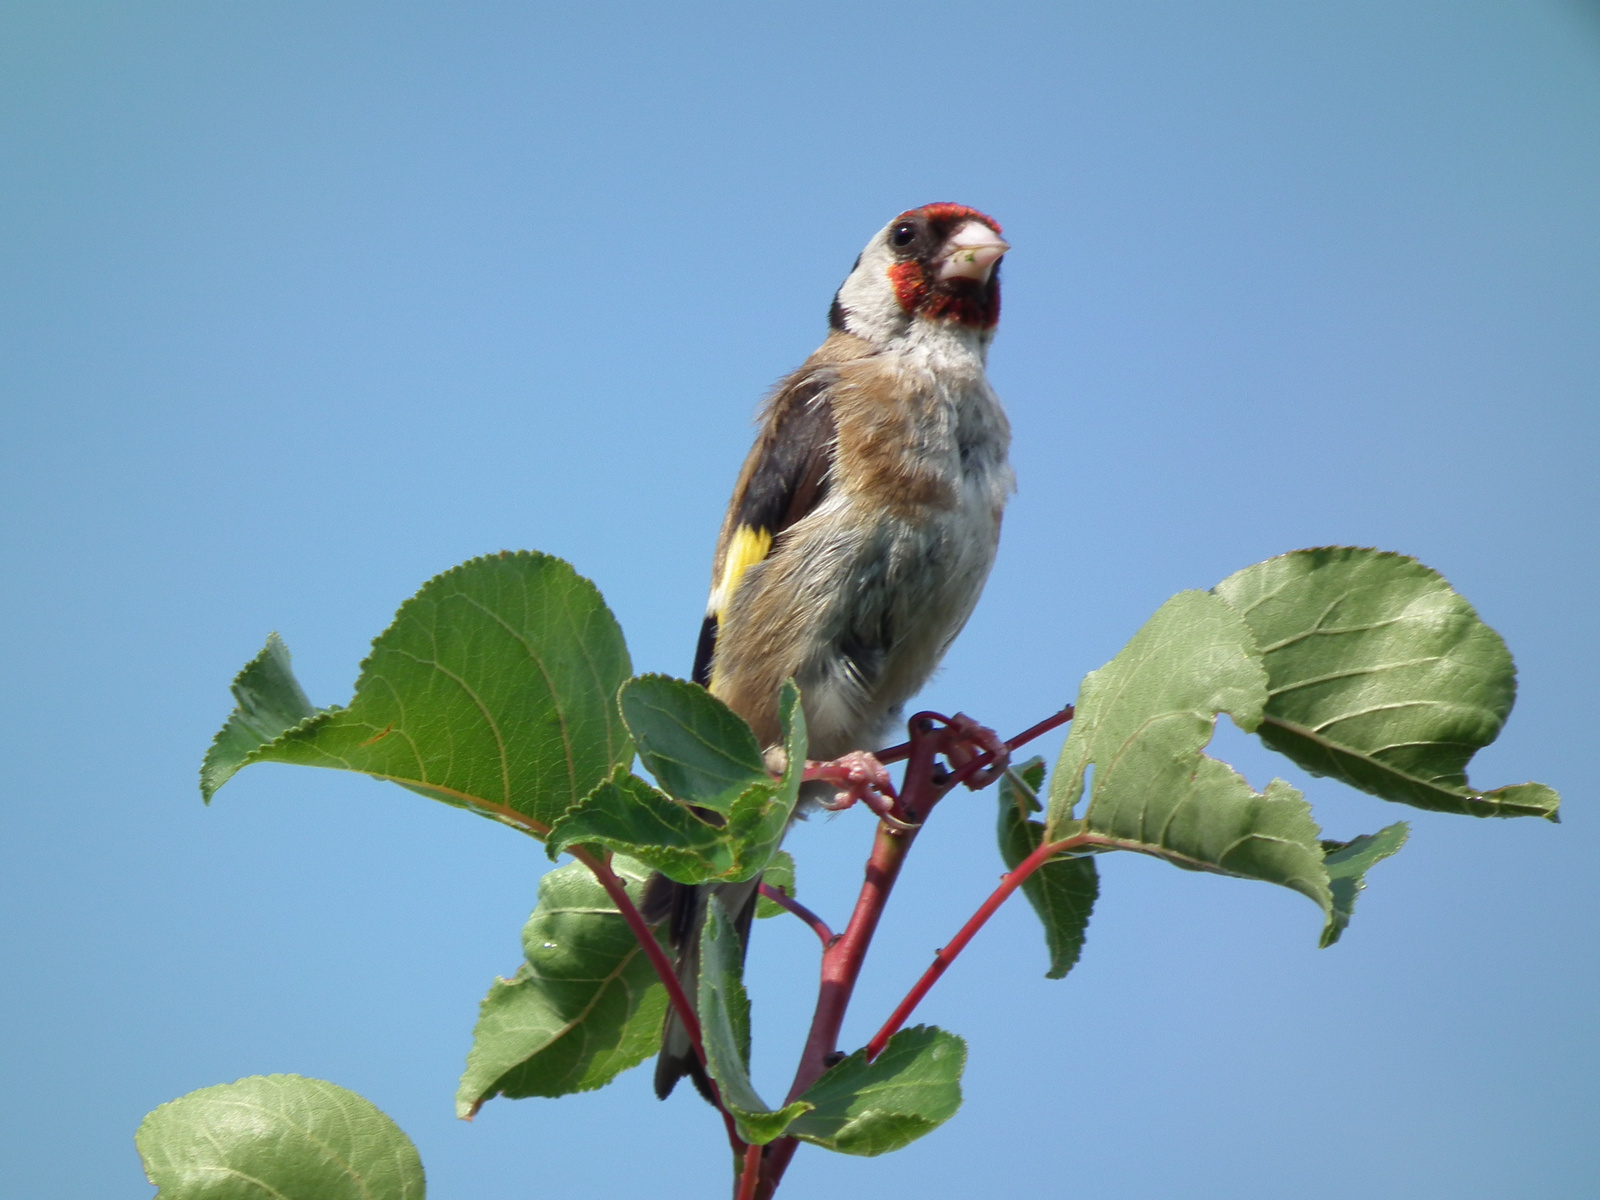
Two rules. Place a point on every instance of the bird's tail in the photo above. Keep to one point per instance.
(684, 906)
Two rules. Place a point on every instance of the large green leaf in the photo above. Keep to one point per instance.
(277, 1137)
(627, 815)
(1381, 676)
(584, 1007)
(1142, 721)
(697, 747)
(724, 1010)
(865, 1108)
(494, 689)
(1063, 890)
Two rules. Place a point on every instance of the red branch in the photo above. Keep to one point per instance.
(923, 786)
(842, 961)
(601, 869)
(947, 953)
(750, 1177)
(788, 903)
(967, 770)
(894, 754)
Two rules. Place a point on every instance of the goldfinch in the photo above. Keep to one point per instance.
(864, 523)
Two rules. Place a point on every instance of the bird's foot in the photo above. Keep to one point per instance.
(967, 740)
(858, 776)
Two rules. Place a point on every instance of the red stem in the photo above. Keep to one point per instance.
(618, 892)
(893, 754)
(967, 770)
(784, 901)
(841, 966)
(843, 955)
(658, 957)
(751, 1175)
(843, 959)
(842, 962)
(947, 953)
(1053, 721)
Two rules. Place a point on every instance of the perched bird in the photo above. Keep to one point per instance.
(863, 524)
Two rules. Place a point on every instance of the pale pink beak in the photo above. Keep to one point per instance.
(972, 253)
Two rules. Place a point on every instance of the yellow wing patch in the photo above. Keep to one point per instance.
(746, 548)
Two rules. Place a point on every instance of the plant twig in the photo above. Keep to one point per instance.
(894, 754)
(920, 790)
(750, 1177)
(647, 941)
(842, 961)
(967, 770)
(947, 953)
(784, 901)
(607, 878)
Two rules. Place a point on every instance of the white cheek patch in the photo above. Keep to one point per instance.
(871, 308)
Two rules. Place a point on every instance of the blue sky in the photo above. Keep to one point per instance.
(302, 304)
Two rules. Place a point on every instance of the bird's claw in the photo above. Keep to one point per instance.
(858, 776)
(967, 740)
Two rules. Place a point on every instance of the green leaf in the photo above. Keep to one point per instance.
(277, 1137)
(270, 701)
(1347, 864)
(724, 1010)
(584, 1007)
(778, 875)
(1192, 660)
(494, 689)
(865, 1108)
(697, 747)
(760, 816)
(1063, 891)
(626, 814)
(1142, 721)
(1381, 676)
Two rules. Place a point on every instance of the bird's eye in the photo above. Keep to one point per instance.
(903, 234)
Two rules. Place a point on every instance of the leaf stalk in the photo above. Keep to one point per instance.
(786, 902)
(600, 867)
(922, 787)
(947, 953)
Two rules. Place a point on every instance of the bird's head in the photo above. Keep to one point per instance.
(938, 263)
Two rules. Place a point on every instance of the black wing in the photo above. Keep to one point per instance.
(786, 476)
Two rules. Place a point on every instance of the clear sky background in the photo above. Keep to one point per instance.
(302, 304)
